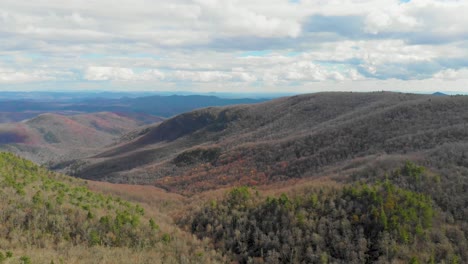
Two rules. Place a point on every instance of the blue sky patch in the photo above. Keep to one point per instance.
(256, 53)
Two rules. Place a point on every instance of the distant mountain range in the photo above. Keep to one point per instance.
(165, 106)
(13, 110)
(71, 96)
(339, 178)
(293, 137)
(53, 137)
(69, 126)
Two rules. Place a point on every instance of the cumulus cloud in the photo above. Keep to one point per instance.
(451, 74)
(100, 73)
(202, 43)
(13, 76)
(10, 75)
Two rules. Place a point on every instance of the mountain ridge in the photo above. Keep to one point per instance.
(14, 110)
(51, 137)
(232, 145)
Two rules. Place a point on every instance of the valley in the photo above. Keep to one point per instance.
(50, 128)
(50, 138)
(234, 132)
(288, 138)
(315, 178)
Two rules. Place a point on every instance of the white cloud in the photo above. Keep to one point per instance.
(99, 73)
(8, 75)
(170, 43)
(428, 17)
(108, 73)
(201, 76)
(451, 74)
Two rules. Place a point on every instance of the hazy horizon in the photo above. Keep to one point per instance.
(234, 94)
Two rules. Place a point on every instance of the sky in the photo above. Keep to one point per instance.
(261, 46)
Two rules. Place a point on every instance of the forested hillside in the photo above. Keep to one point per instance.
(50, 138)
(381, 214)
(51, 218)
(57, 127)
(397, 220)
(320, 178)
(290, 138)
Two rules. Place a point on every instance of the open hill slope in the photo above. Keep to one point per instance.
(293, 137)
(53, 137)
(47, 217)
